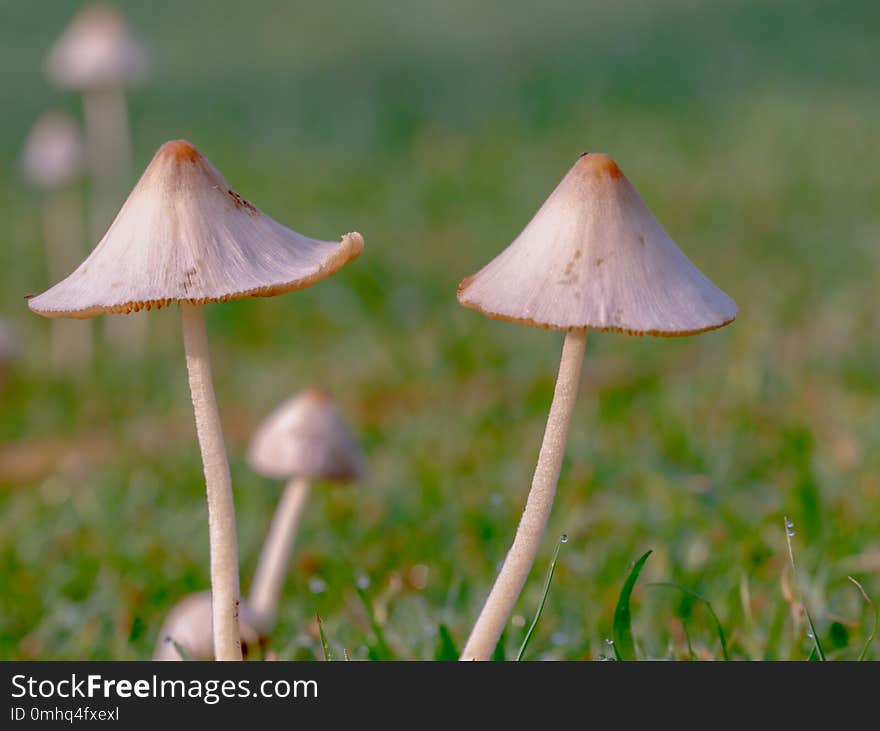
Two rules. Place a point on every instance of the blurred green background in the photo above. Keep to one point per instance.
(436, 130)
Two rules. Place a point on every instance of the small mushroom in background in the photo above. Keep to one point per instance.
(184, 236)
(98, 57)
(305, 440)
(593, 256)
(53, 162)
(186, 633)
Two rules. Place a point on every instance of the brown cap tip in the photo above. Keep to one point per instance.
(179, 150)
(599, 164)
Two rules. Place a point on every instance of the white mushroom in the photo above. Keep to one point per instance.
(53, 162)
(593, 256)
(305, 440)
(184, 236)
(98, 57)
(187, 634)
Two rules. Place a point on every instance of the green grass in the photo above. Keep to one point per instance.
(437, 129)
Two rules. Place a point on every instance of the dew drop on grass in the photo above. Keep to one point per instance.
(790, 533)
(789, 523)
(563, 538)
(316, 585)
(609, 641)
(363, 582)
(810, 635)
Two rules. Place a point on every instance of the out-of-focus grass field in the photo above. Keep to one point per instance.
(437, 129)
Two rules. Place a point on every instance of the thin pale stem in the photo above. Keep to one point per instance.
(108, 145)
(521, 556)
(271, 570)
(221, 510)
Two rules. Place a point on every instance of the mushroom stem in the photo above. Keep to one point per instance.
(108, 145)
(275, 556)
(506, 590)
(108, 149)
(221, 509)
(63, 233)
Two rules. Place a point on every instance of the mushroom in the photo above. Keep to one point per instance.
(184, 236)
(53, 162)
(186, 633)
(593, 256)
(98, 57)
(304, 440)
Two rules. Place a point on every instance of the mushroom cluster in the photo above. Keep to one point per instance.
(592, 257)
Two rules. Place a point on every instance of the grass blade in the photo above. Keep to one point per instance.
(789, 532)
(624, 647)
(873, 606)
(718, 628)
(544, 593)
(815, 637)
(499, 654)
(328, 653)
(380, 650)
(446, 649)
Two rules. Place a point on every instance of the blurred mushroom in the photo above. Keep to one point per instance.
(186, 633)
(184, 236)
(305, 440)
(53, 162)
(594, 256)
(98, 57)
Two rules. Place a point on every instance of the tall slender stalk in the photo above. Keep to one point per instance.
(221, 509)
(271, 570)
(521, 556)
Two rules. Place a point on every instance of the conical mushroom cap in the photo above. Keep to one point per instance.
(96, 51)
(594, 256)
(306, 436)
(184, 235)
(53, 153)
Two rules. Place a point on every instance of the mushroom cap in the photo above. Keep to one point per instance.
(96, 51)
(184, 235)
(594, 256)
(306, 436)
(190, 623)
(53, 153)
